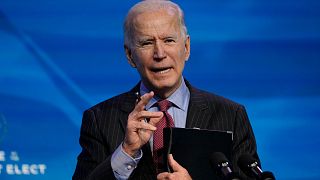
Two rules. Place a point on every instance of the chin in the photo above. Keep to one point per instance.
(165, 85)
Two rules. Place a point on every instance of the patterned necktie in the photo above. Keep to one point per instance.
(166, 121)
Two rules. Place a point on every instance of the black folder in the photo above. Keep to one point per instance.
(192, 148)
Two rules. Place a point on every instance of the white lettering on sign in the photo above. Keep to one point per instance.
(25, 169)
(14, 156)
(10, 164)
(2, 156)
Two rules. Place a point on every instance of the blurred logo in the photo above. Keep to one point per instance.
(3, 127)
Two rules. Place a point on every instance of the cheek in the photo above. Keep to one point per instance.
(142, 57)
(181, 66)
(182, 53)
(181, 58)
(137, 60)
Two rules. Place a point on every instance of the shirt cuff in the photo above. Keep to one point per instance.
(123, 164)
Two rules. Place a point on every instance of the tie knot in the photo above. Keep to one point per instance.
(164, 105)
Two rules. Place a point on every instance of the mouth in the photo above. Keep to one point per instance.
(161, 70)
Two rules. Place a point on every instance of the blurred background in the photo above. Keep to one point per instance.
(58, 58)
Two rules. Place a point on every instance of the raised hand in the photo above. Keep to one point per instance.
(139, 131)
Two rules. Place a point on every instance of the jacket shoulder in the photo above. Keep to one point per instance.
(216, 100)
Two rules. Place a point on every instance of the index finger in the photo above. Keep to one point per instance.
(144, 101)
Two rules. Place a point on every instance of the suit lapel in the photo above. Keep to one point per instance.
(199, 114)
(127, 103)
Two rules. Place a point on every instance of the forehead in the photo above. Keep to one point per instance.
(155, 21)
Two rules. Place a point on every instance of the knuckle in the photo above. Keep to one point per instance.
(171, 176)
(132, 114)
(139, 114)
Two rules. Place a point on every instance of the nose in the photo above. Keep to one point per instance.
(159, 51)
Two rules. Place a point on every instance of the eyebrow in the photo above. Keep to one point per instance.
(173, 37)
(148, 38)
(145, 39)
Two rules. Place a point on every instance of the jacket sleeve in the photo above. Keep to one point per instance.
(244, 140)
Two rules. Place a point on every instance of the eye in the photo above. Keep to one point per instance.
(169, 40)
(145, 43)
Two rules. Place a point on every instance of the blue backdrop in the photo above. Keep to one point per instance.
(58, 58)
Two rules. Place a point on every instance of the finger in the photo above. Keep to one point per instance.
(144, 101)
(153, 121)
(174, 165)
(142, 116)
(148, 114)
(145, 116)
(145, 126)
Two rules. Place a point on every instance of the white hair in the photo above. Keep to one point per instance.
(151, 6)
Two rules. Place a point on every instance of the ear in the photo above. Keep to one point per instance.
(129, 56)
(187, 48)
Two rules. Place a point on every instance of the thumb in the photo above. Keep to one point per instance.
(174, 165)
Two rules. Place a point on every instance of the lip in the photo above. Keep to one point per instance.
(161, 70)
(164, 71)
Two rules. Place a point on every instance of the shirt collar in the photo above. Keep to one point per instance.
(178, 98)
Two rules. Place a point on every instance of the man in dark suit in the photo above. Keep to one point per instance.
(118, 135)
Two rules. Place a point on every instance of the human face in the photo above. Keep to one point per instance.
(158, 50)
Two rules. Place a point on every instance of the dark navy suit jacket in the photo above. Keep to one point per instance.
(103, 129)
